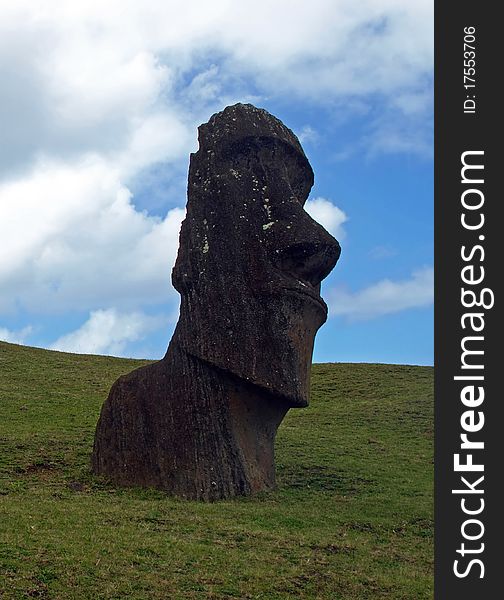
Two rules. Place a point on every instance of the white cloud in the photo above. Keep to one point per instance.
(71, 239)
(328, 215)
(93, 91)
(403, 136)
(308, 135)
(107, 332)
(326, 49)
(91, 76)
(384, 297)
(15, 337)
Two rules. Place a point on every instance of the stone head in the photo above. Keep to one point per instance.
(251, 259)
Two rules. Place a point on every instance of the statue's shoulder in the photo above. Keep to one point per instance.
(132, 384)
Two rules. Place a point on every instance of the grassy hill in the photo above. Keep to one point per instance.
(351, 519)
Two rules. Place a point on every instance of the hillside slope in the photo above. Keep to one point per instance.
(351, 519)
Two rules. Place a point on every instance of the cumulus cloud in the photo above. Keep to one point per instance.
(71, 239)
(90, 93)
(112, 73)
(107, 332)
(384, 297)
(328, 49)
(328, 215)
(15, 337)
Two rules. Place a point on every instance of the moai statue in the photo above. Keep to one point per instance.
(201, 422)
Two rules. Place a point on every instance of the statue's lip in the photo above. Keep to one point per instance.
(306, 293)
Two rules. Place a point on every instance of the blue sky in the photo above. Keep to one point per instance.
(100, 115)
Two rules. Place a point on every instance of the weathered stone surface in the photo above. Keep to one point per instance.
(201, 422)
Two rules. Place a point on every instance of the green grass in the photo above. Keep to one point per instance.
(351, 519)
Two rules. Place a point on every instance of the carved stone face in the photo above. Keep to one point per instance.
(251, 259)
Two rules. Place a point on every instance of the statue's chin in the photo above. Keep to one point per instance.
(286, 378)
(272, 352)
(294, 396)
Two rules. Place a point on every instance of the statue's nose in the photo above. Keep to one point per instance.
(310, 261)
(306, 250)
